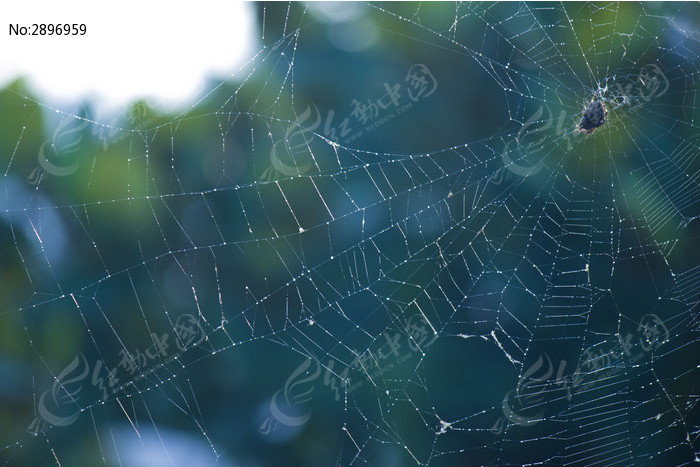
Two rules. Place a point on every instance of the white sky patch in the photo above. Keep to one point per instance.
(158, 50)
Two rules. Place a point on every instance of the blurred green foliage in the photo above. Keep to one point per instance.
(187, 213)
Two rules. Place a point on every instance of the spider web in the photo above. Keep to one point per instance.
(483, 286)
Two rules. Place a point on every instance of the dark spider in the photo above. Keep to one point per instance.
(593, 117)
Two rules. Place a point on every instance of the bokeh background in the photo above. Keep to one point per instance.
(344, 198)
